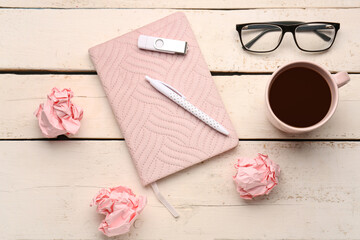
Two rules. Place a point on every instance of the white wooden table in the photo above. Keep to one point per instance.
(46, 186)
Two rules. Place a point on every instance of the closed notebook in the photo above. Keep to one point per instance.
(162, 137)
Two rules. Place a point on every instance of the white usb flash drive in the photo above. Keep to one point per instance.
(162, 44)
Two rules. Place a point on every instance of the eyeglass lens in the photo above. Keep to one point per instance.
(261, 37)
(315, 36)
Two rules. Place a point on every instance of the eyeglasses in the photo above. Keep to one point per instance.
(266, 36)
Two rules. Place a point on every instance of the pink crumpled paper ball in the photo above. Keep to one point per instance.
(58, 115)
(121, 207)
(256, 176)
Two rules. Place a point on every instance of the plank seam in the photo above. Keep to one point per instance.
(92, 72)
(64, 138)
(182, 9)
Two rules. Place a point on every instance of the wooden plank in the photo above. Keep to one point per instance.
(49, 39)
(243, 96)
(186, 4)
(46, 189)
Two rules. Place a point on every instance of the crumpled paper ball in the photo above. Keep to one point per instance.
(256, 177)
(121, 207)
(58, 115)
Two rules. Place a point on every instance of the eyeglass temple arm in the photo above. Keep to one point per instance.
(308, 28)
(305, 28)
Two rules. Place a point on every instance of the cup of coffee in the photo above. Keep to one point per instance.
(302, 96)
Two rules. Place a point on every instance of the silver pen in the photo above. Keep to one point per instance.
(180, 99)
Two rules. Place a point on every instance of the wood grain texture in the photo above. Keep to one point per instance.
(54, 39)
(243, 96)
(186, 4)
(46, 188)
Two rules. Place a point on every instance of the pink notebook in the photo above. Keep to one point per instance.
(162, 137)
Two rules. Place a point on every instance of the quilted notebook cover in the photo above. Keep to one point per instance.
(162, 137)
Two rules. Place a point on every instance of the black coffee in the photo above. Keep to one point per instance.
(300, 97)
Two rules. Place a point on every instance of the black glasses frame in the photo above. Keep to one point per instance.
(286, 26)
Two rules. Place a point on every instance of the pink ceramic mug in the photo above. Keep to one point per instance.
(335, 81)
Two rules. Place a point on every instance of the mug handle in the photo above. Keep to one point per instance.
(341, 78)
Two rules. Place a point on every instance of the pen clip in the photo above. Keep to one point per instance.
(166, 85)
(176, 91)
